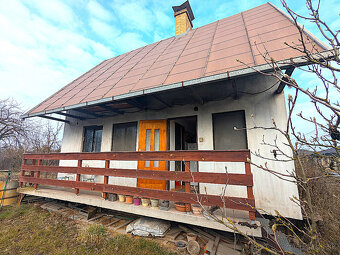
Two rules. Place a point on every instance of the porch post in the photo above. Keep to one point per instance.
(34, 162)
(76, 191)
(106, 178)
(249, 190)
(187, 184)
(24, 163)
(37, 175)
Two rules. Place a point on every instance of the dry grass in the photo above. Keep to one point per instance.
(326, 205)
(30, 230)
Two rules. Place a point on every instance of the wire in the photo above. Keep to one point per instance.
(256, 93)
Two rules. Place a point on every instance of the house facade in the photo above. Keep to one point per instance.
(196, 91)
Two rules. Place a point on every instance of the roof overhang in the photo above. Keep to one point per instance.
(265, 68)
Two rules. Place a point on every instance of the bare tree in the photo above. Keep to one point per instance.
(12, 129)
(312, 176)
(18, 136)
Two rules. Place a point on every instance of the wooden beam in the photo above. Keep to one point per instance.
(282, 85)
(202, 177)
(71, 116)
(161, 101)
(197, 155)
(92, 114)
(108, 108)
(236, 203)
(136, 104)
(53, 118)
(250, 193)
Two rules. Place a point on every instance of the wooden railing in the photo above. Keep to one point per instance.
(33, 164)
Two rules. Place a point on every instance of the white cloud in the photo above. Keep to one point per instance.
(106, 31)
(55, 10)
(135, 16)
(98, 11)
(129, 41)
(39, 57)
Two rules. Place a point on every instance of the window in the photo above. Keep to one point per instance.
(124, 137)
(225, 137)
(92, 138)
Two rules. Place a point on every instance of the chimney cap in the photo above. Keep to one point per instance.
(185, 5)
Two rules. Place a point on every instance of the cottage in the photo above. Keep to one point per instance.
(160, 119)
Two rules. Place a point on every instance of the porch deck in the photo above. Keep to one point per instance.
(96, 194)
(95, 199)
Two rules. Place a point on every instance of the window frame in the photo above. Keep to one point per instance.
(125, 123)
(213, 129)
(94, 128)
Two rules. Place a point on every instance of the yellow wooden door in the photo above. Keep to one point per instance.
(152, 137)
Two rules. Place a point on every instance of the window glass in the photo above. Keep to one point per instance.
(225, 136)
(92, 139)
(156, 141)
(148, 145)
(124, 137)
(97, 140)
(88, 140)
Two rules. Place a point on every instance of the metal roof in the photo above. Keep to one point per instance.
(206, 53)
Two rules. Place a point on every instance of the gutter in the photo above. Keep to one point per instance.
(284, 64)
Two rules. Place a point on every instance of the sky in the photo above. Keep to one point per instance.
(45, 44)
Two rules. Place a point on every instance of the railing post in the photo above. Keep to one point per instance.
(76, 191)
(187, 184)
(37, 175)
(106, 178)
(34, 162)
(24, 162)
(249, 190)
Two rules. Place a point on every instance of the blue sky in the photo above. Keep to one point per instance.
(44, 44)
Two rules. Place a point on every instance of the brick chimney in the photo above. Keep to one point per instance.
(183, 18)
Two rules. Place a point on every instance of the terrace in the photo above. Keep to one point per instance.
(240, 209)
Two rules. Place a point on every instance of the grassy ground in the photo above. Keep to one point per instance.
(30, 230)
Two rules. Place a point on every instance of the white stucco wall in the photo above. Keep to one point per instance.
(270, 192)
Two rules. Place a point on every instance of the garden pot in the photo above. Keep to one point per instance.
(129, 199)
(136, 201)
(112, 197)
(121, 198)
(180, 207)
(154, 203)
(181, 246)
(191, 236)
(196, 209)
(145, 202)
(164, 204)
(193, 247)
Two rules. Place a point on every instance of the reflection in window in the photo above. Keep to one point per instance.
(156, 163)
(148, 145)
(124, 137)
(92, 139)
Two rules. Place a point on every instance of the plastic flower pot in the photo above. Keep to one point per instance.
(121, 198)
(154, 203)
(136, 201)
(182, 245)
(180, 207)
(129, 199)
(112, 197)
(145, 202)
(196, 209)
(164, 203)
